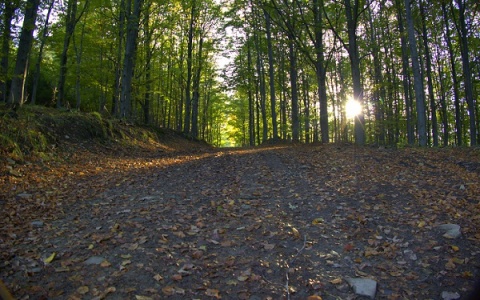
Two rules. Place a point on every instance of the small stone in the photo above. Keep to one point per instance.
(452, 231)
(94, 260)
(363, 286)
(37, 223)
(450, 295)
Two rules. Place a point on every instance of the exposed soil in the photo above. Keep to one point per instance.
(274, 222)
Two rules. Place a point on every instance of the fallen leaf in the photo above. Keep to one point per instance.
(296, 233)
(348, 247)
(336, 281)
(50, 258)
(450, 265)
(177, 277)
(213, 293)
(105, 264)
(168, 290)
(139, 297)
(158, 277)
(83, 290)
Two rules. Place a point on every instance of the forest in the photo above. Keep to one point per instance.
(243, 72)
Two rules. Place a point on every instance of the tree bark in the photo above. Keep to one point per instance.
(467, 73)
(405, 75)
(251, 108)
(293, 85)
(418, 82)
(379, 89)
(352, 15)
(431, 95)
(43, 38)
(117, 90)
(69, 29)
(320, 69)
(17, 88)
(196, 90)
(188, 96)
(133, 23)
(8, 14)
(456, 97)
(271, 75)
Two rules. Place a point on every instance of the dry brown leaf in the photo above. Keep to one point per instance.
(213, 293)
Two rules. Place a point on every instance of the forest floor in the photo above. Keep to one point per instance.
(271, 222)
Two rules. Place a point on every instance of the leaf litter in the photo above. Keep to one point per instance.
(291, 222)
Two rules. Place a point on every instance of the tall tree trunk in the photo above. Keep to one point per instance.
(78, 56)
(8, 13)
(133, 24)
(117, 90)
(271, 75)
(148, 66)
(320, 69)
(428, 58)
(188, 96)
(293, 85)
(43, 39)
(306, 104)
(405, 74)
(352, 16)
(251, 108)
(21, 65)
(444, 107)
(467, 73)
(196, 90)
(418, 82)
(69, 29)
(261, 85)
(379, 89)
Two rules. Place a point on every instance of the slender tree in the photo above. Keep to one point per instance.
(71, 20)
(17, 89)
(133, 23)
(418, 82)
(428, 58)
(467, 73)
(43, 39)
(8, 13)
(271, 73)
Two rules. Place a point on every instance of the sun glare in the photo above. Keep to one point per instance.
(353, 108)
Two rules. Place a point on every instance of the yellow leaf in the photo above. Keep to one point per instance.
(90, 247)
(83, 290)
(455, 248)
(421, 224)
(296, 233)
(50, 258)
(317, 221)
(458, 261)
(336, 281)
(139, 297)
(450, 265)
(314, 297)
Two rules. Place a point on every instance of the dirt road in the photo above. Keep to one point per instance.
(283, 222)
